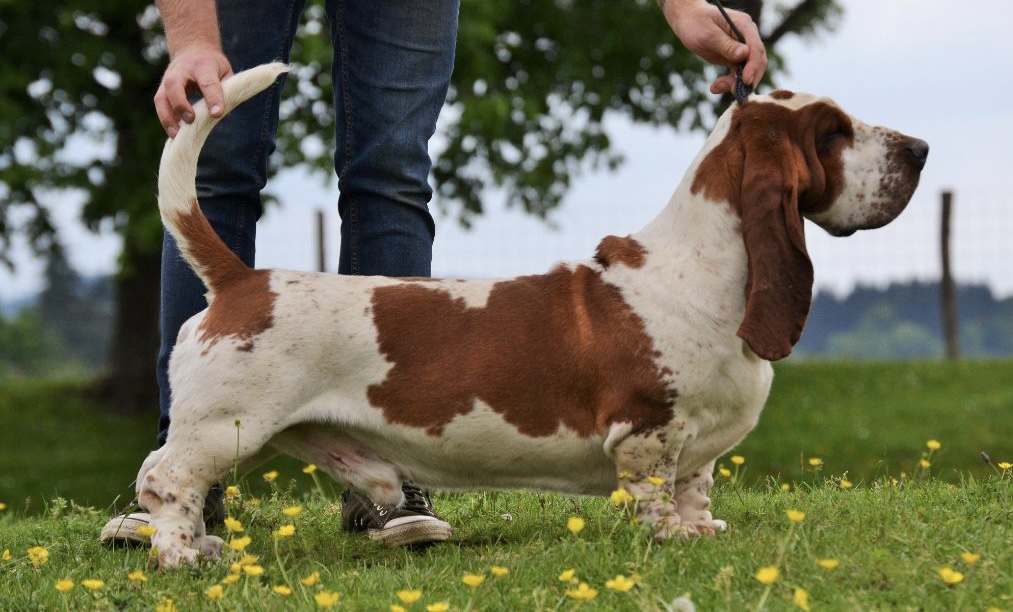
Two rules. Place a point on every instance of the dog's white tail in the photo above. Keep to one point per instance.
(200, 246)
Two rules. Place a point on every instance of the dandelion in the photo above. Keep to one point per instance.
(3, 506)
(231, 578)
(620, 497)
(285, 531)
(326, 599)
(240, 544)
(498, 571)
(583, 592)
(38, 556)
(215, 592)
(949, 576)
(253, 570)
(312, 579)
(1005, 465)
(828, 564)
(147, 531)
(473, 580)
(271, 476)
(846, 484)
(785, 487)
(310, 468)
(925, 464)
(655, 480)
(566, 576)
(64, 585)
(815, 462)
(397, 608)
(933, 445)
(409, 596)
(795, 516)
(233, 525)
(620, 583)
(281, 589)
(725, 472)
(969, 557)
(768, 574)
(292, 511)
(137, 576)
(801, 599)
(738, 459)
(246, 560)
(93, 584)
(441, 606)
(575, 524)
(166, 606)
(232, 492)
(6, 556)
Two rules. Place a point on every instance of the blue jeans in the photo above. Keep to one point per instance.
(391, 71)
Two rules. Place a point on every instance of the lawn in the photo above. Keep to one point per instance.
(844, 444)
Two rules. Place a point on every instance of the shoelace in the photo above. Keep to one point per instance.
(415, 500)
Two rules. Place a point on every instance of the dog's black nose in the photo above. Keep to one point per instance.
(917, 152)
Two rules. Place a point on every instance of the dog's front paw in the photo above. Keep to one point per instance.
(210, 546)
(171, 557)
(670, 527)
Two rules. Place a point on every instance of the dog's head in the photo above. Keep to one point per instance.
(786, 156)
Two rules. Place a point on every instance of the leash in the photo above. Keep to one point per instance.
(742, 91)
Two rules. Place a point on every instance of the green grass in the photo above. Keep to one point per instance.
(891, 532)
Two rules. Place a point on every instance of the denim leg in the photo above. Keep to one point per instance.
(232, 168)
(392, 65)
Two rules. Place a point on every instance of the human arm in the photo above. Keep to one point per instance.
(704, 31)
(196, 61)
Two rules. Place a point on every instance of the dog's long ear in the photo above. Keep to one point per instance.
(780, 277)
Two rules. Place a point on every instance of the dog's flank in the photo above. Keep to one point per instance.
(636, 367)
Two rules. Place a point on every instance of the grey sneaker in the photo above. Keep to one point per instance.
(413, 524)
(121, 530)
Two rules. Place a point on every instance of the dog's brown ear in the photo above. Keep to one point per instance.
(780, 275)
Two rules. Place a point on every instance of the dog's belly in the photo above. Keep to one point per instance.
(477, 450)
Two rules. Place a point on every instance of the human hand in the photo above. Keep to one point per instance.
(191, 70)
(704, 31)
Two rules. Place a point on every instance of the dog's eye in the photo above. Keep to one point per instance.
(835, 134)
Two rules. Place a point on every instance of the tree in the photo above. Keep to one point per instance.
(533, 83)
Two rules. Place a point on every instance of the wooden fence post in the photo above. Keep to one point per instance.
(948, 294)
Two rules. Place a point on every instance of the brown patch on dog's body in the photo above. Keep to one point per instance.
(614, 250)
(558, 350)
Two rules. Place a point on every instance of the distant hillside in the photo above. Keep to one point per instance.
(904, 321)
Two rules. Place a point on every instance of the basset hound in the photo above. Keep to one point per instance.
(633, 370)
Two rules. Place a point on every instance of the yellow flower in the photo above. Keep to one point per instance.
(232, 492)
(253, 570)
(846, 484)
(795, 516)
(137, 576)
(970, 558)
(240, 544)
(409, 596)
(1005, 465)
(38, 556)
(166, 606)
(64, 585)
(828, 564)
(498, 571)
(723, 471)
(933, 445)
(473, 580)
(575, 524)
(656, 481)
(147, 530)
(925, 463)
(785, 487)
(582, 593)
(215, 592)
(6, 556)
(768, 574)
(292, 511)
(231, 579)
(566, 576)
(281, 589)
(397, 608)
(441, 606)
(801, 598)
(815, 461)
(233, 525)
(311, 579)
(271, 476)
(621, 497)
(246, 560)
(624, 475)
(3, 506)
(620, 583)
(949, 576)
(738, 459)
(309, 469)
(327, 599)
(93, 584)
(285, 531)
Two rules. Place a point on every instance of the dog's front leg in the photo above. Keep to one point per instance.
(646, 463)
(692, 497)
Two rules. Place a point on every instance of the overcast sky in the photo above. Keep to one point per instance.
(939, 70)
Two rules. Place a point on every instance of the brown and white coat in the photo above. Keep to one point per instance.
(651, 359)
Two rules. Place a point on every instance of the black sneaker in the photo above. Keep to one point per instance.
(413, 524)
